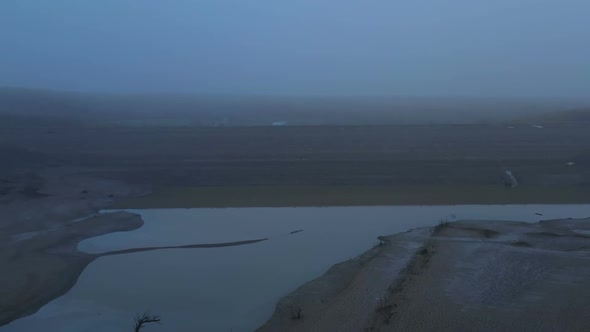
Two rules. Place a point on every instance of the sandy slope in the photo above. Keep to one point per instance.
(40, 227)
(39, 269)
(466, 276)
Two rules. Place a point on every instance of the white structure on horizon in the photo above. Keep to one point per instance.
(279, 123)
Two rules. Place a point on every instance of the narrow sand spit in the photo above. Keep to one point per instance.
(39, 269)
(461, 276)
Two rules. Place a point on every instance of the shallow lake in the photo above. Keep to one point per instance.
(234, 288)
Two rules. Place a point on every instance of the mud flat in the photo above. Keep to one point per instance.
(459, 276)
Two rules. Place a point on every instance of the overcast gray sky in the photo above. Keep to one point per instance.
(494, 48)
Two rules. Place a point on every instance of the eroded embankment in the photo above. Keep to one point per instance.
(468, 275)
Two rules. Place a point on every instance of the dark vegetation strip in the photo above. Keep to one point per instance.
(285, 196)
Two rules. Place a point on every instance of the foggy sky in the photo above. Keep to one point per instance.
(499, 48)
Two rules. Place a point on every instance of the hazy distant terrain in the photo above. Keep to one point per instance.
(28, 107)
(204, 141)
(315, 155)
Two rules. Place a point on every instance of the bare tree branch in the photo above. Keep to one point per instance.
(140, 320)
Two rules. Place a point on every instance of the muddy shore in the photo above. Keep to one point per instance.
(46, 266)
(461, 276)
(43, 218)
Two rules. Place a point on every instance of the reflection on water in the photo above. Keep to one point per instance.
(234, 288)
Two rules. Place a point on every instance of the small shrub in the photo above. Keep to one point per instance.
(443, 222)
(381, 303)
(381, 243)
(384, 309)
(296, 313)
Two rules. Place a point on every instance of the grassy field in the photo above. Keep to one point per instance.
(282, 196)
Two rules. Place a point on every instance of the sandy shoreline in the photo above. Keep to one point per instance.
(41, 227)
(46, 266)
(464, 276)
(39, 234)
